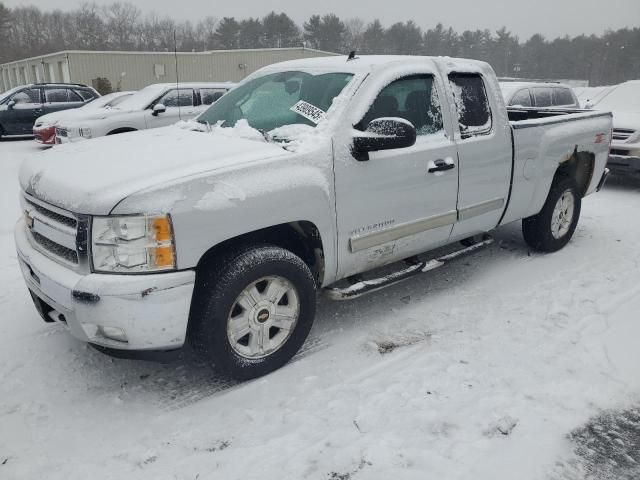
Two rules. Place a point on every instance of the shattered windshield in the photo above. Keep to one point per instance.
(278, 99)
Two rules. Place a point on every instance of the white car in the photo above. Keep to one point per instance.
(154, 106)
(44, 130)
(624, 102)
(539, 95)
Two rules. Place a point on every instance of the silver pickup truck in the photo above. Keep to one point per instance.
(311, 175)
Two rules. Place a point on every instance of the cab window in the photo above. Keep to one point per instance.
(413, 98)
(472, 103)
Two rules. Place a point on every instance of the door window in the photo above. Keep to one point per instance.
(521, 99)
(543, 97)
(210, 95)
(61, 95)
(29, 95)
(563, 97)
(472, 103)
(182, 97)
(85, 94)
(413, 98)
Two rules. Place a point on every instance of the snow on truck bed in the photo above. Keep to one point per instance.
(494, 367)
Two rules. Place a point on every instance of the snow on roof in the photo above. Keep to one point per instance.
(360, 64)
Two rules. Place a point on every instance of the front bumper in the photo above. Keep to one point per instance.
(151, 310)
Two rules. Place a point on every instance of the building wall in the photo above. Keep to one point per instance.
(134, 70)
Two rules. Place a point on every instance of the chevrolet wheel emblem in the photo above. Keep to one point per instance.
(28, 219)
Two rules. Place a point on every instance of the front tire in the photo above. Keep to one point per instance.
(253, 309)
(553, 227)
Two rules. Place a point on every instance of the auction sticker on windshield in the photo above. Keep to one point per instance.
(308, 111)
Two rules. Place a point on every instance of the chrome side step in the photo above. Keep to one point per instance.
(361, 287)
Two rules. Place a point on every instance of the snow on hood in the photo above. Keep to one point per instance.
(92, 177)
(626, 120)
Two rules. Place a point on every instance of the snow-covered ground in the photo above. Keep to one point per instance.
(504, 365)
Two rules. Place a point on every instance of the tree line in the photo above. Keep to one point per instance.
(604, 59)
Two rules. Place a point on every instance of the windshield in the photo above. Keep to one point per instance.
(625, 98)
(278, 99)
(142, 98)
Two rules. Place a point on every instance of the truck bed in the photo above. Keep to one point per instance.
(524, 117)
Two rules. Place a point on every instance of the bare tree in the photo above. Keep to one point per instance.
(121, 20)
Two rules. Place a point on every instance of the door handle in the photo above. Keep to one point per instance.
(441, 166)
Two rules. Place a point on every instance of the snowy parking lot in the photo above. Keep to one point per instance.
(507, 364)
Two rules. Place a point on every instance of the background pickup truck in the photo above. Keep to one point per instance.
(311, 174)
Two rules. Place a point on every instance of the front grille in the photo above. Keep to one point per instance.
(617, 151)
(61, 132)
(56, 217)
(56, 233)
(622, 134)
(56, 249)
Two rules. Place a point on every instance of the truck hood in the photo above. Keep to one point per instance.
(629, 120)
(91, 177)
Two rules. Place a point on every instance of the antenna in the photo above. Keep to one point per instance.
(175, 57)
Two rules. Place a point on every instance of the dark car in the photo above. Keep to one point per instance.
(21, 106)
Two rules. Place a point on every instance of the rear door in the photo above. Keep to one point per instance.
(390, 206)
(180, 105)
(61, 98)
(484, 154)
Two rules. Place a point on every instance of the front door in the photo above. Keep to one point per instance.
(391, 206)
(24, 113)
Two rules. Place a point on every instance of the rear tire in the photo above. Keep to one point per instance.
(553, 227)
(252, 311)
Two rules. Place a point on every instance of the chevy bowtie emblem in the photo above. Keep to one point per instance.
(28, 219)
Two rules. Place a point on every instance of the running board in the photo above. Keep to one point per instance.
(363, 287)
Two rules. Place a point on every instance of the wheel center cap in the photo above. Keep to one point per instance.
(263, 316)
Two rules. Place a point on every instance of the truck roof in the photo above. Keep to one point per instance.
(363, 63)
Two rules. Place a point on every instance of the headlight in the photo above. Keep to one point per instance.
(85, 132)
(132, 244)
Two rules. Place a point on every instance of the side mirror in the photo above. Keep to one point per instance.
(11, 104)
(158, 108)
(384, 134)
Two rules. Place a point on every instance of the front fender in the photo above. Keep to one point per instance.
(210, 209)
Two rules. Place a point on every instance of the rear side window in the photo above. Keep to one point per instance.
(61, 95)
(85, 94)
(543, 97)
(563, 96)
(413, 98)
(522, 98)
(472, 103)
(26, 96)
(177, 98)
(210, 95)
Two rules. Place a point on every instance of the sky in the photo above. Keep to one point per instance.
(552, 18)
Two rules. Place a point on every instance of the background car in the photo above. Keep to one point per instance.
(539, 95)
(21, 106)
(157, 105)
(44, 130)
(624, 102)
